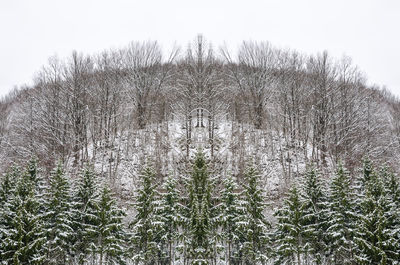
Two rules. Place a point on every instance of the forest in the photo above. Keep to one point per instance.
(199, 155)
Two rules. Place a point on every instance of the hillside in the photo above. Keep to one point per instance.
(268, 156)
(264, 104)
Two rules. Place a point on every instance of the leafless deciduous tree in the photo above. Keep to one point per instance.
(264, 104)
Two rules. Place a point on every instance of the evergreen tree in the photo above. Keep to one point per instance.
(392, 188)
(58, 219)
(391, 184)
(202, 216)
(376, 227)
(7, 189)
(171, 213)
(110, 236)
(230, 212)
(314, 205)
(341, 219)
(253, 225)
(290, 234)
(24, 238)
(367, 172)
(8, 183)
(147, 225)
(39, 184)
(85, 209)
(32, 171)
(240, 232)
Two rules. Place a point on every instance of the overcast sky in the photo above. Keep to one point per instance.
(33, 30)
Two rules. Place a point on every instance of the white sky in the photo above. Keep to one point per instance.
(33, 30)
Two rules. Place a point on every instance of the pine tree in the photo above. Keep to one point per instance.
(58, 219)
(377, 225)
(290, 234)
(110, 237)
(171, 213)
(85, 208)
(147, 226)
(341, 219)
(23, 242)
(254, 226)
(314, 205)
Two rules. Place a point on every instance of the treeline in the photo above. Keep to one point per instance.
(343, 220)
(270, 102)
(200, 217)
(46, 220)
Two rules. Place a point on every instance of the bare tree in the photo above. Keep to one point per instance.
(322, 74)
(77, 75)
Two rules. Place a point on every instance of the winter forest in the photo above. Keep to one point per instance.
(199, 155)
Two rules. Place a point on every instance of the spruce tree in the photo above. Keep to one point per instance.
(367, 171)
(230, 212)
(290, 234)
(24, 238)
(7, 189)
(376, 228)
(240, 233)
(314, 206)
(8, 183)
(253, 224)
(171, 214)
(392, 185)
(392, 189)
(203, 237)
(341, 219)
(85, 221)
(58, 219)
(32, 171)
(147, 226)
(110, 237)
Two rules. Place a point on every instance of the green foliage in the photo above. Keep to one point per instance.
(230, 212)
(7, 190)
(171, 216)
(22, 223)
(253, 225)
(8, 183)
(290, 234)
(147, 226)
(58, 219)
(341, 219)
(201, 229)
(391, 184)
(198, 218)
(377, 244)
(84, 217)
(367, 171)
(110, 236)
(314, 206)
